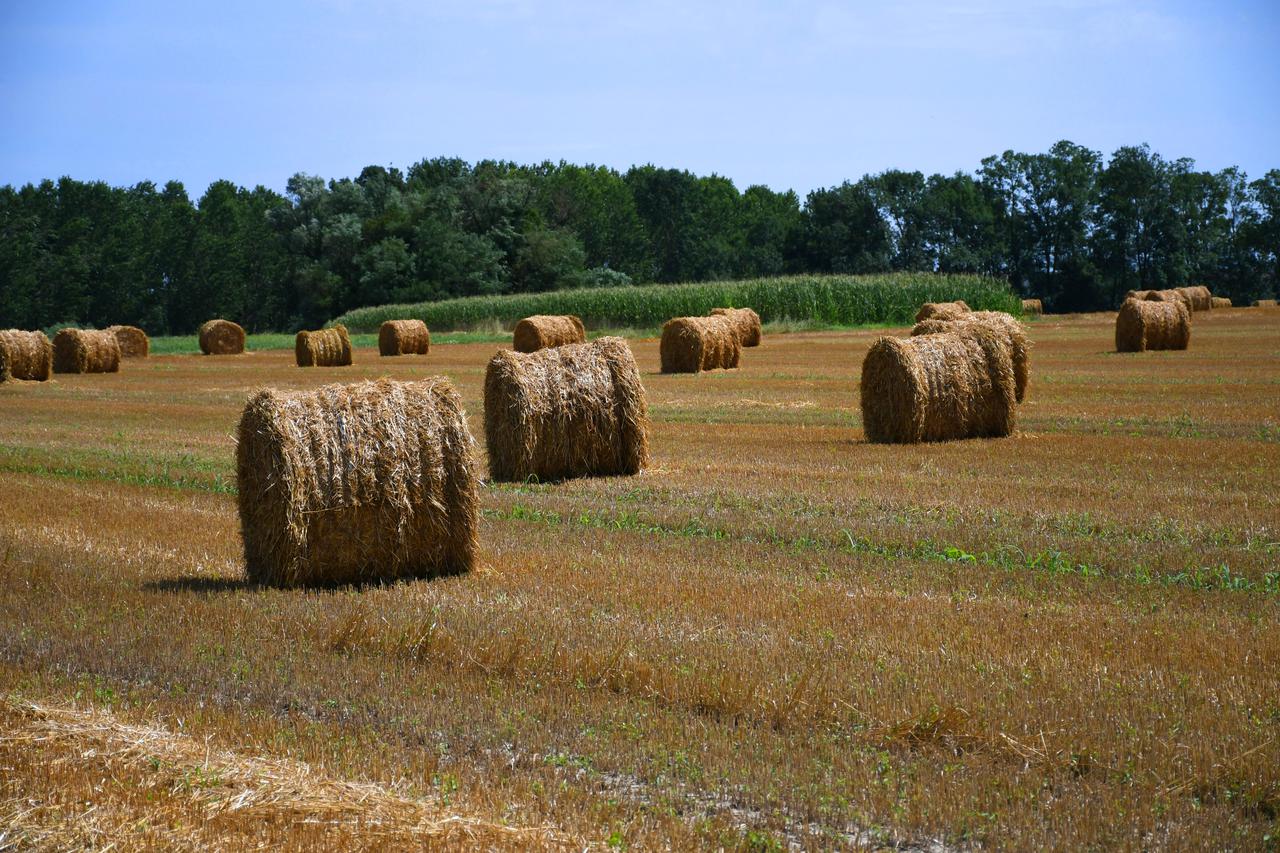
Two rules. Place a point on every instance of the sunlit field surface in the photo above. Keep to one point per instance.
(778, 635)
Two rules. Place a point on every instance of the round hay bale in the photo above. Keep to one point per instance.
(1034, 307)
(134, 342)
(323, 348)
(1198, 296)
(356, 483)
(25, 355)
(692, 344)
(1264, 303)
(571, 411)
(547, 330)
(938, 387)
(403, 337)
(942, 310)
(221, 337)
(1139, 294)
(1003, 324)
(1173, 295)
(747, 322)
(85, 351)
(1144, 324)
(1220, 302)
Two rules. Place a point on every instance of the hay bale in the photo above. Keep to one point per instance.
(747, 323)
(938, 387)
(1172, 295)
(1144, 324)
(1219, 302)
(221, 337)
(1034, 307)
(134, 342)
(356, 483)
(323, 348)
(942, 310)
(1198, 296)
(85, 351)
(1139, 294)
(570, 411)
(692, 344)
(1264, 303)
(404, 337)
(547, 330)
(1001, 323)
(25, 355)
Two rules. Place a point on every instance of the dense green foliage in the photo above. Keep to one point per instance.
(1062, 225)
(837, 300)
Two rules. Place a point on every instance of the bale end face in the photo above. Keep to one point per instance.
(134, 342)
(85, 351)
(25, 356)
(403, 337)
(221, 337)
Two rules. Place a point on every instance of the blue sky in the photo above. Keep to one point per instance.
(792, 95)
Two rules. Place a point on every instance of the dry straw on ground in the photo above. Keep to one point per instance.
(1034, 307)
(355, 483)
(134, 342)
(938, 387)
(1199, 297)
(692, 344)
(570, 411)
(1220, 302)
(221, 337)
(942, 310)
(1145, 324)
(547, 330)
(323, 348)
(85, 351)
(1000, 322)
(404, 337)
(25, 355)
(747, 322)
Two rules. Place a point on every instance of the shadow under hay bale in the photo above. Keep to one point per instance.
(693, 344)
(1220, 302)
(747, 323)
(942, 310)
(134, 342)
(357, 483)
(323, 348)
(547, 330)
(221, 337)
(1198, 297)
(1033, 307)
(404, 337)
(1000, 322)
(26, 356)
(571, 411)
(938, 387)
(1145, 324)
(85, 351)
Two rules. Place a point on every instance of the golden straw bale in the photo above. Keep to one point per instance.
(25, 355)
(323, 348)
(1139, 294)
(1264, 303)
(938, 387)
(1172, 295)
(134, 342)
(691, 344)
(404, 337)
(1198, 296)
(221, 337)
(1034, 307)
(356, 483)
(747, 322)
(547, 330)
(571, 411)
(1144, 324)
(942, 310)
(85, 351)
(1004, 324)
(1220, 302)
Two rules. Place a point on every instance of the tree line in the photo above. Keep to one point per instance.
(1064, 225)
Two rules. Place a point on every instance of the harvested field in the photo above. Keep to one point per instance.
(777, 634)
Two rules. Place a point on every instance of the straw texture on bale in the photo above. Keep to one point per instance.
(1264, 303)
(1000, 322)
(1144, 324)
(692, 344)
(221, 337)
(572, 411)
(134, 342)
(85, 351)
(323, 348)
(938, 387)
(747, 323)
(1173, 295)
(1198, 296)
(942, 310)
(1221, 302)
(1139, 294)
(1034, 307)
(25, 355)
(356, 483)
(403, 337)
(547, 330)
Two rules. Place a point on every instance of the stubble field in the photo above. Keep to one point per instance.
(778, 635)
